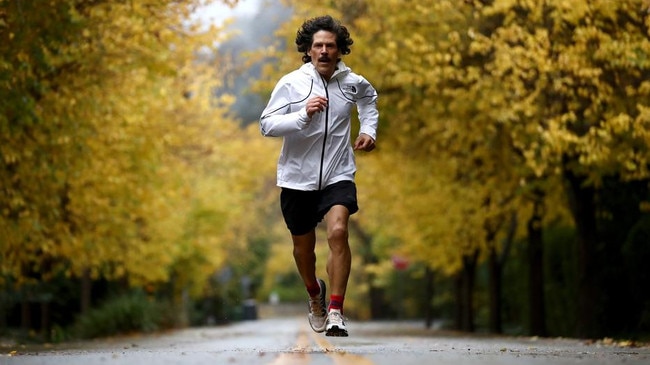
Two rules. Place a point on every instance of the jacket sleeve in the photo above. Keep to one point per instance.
(367, 107)
(277, 119)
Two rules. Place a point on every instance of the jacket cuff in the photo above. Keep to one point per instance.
(370, 132)
(303, 118)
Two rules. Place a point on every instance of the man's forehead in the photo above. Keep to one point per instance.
(324, 36)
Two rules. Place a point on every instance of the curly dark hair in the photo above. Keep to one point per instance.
(305, 35)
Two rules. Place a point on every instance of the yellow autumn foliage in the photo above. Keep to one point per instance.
(117, 158)
(481, 104)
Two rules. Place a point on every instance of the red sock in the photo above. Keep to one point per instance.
(336, 302)
(313, 290)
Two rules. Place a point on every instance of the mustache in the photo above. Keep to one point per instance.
(324, 59)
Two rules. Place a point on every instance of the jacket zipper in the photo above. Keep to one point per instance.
(322, 156)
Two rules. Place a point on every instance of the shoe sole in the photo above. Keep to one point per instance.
(336, 332)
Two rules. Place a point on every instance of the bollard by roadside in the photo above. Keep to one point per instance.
(249, 309)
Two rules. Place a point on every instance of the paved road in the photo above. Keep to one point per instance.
(289, 341)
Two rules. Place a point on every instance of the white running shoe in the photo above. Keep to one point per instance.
(318, 309)
(336, 324)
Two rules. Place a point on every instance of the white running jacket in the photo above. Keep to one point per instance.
(318, 152)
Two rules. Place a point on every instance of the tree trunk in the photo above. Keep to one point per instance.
(495, 286)
(86, 291)
(428, 297)
(45, 319)
(465, 287)
(583, 208)
(25, 314)
(3, 317)
(458, 315)
(496, 263)
(537, 314)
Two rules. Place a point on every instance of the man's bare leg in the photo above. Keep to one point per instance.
(305, 256)
(339, 260)
(338, 268)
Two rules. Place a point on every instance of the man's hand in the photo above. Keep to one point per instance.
(364, 142)
(315, 104)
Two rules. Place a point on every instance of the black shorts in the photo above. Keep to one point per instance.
(303, 210)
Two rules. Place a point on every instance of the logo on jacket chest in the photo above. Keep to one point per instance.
(349, 89)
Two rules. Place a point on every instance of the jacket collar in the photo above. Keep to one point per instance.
(309, 68)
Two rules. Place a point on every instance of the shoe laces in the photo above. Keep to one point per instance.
(336, 317)
(316, 307)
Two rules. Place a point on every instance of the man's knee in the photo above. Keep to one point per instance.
(338, 233)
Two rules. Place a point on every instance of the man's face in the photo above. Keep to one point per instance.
(324, 53)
